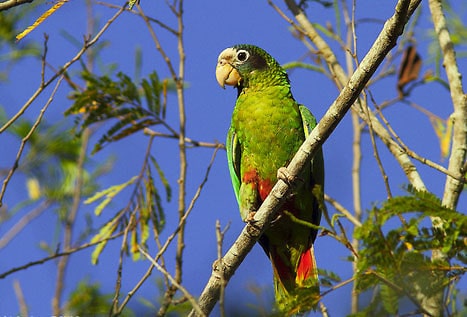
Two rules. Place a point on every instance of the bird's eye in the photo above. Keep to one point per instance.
(242, 55)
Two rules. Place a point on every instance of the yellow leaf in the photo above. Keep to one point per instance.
(443, 130)
(41, 19)
(408, 245)
(131, 3)
(34, 189)
(104, 233)
(107, 195)
(134, 246)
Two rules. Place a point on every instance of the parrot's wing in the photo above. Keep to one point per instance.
(309, 123)
(317, 163)
(233, 158)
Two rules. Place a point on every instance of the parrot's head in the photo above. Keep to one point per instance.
(245, 65)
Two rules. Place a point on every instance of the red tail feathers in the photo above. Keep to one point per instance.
(305, 268)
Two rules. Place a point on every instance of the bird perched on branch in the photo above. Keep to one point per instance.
(268, 126)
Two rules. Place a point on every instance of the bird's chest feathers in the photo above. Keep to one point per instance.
(269, 131)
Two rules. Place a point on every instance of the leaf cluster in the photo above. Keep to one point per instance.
(394, 259)
(144, 213)
(106, 99)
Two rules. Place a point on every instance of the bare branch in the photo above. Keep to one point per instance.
(57, 255)
(190, 298)
(190, 142)
(25, 220)
(23, 307)
(220, 240)
(453, 186)
(26, 139)
(5, 5)
(343, 210)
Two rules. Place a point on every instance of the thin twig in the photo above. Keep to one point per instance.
(26, 139)
(187, 295)
(23, 307)
(342, 210)
(339, 285)
(156, 41)
(220, 240)
(57, 255)
(139, 13)
(376, 152)
(23, 222)
(190, 142)
(410, 152)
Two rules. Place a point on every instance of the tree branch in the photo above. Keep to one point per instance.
(251, 232)
(453, 186)
(341, 79)
(5, 5)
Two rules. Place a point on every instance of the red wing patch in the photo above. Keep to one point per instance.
(264, 186)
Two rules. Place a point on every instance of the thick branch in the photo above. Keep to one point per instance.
(250, 234)
(453, 186)
(341, 79)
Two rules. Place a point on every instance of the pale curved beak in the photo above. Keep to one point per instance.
(226, 74)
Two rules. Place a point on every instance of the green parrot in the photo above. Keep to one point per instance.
(267, 128)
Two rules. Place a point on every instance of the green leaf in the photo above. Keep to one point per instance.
(117, 99)
(390, 299)
(108, 194)
(165, 182)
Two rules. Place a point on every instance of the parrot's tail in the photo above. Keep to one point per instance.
(296, 290)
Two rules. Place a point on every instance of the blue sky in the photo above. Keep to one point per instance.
(209, 28)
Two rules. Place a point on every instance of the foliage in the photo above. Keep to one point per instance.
(145, 212)
(50, 163)
(88, 300)
(105, 99)
(394, 258)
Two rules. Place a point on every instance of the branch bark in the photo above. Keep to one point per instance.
(5, 5)
(453, 185)
(224, 270)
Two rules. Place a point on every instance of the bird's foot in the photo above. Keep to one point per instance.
(284, 174)
(251, 217)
